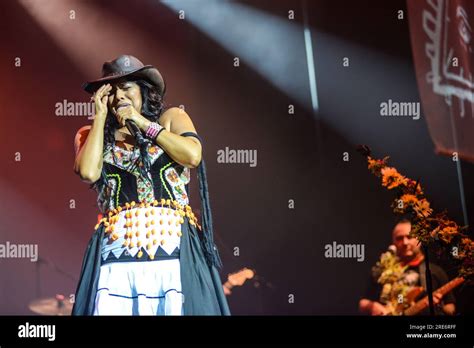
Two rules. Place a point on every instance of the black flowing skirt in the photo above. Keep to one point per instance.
(201, 283)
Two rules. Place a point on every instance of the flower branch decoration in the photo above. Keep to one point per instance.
(434, 229)
(388, 272)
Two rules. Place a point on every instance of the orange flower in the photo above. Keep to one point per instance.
(422, 208)
(466, 248)
(411, 186)
(391, 178)
(409, 199)
(467, 243)
(375, 165)
(372, 163)
(447, 233)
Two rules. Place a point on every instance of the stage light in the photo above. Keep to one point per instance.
(271, 45)
(85, 31)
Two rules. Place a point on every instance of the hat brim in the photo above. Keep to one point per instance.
(148, 73)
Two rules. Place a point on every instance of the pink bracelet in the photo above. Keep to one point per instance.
(153, 130)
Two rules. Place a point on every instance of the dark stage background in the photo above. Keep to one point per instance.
(300, 155)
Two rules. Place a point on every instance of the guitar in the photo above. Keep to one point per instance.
(418, 306)
(237, 279)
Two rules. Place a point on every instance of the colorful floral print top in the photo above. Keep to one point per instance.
(125, 182)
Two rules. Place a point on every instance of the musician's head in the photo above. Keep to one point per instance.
(140, 94)
(407, 245)
(125, 93)
(134, 84)
(144, 97)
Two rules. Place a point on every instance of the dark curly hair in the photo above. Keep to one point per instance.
(152, 108)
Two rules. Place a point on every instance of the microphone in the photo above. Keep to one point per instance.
(142, 143)
(135, 131)
(392, 249)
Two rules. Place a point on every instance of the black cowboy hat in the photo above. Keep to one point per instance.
(127, 66)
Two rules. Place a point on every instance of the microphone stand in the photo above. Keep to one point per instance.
(38, 281)
(429, 284)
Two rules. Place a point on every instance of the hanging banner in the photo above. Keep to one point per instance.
(442, 41)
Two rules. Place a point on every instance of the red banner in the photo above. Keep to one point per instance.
(442, 42)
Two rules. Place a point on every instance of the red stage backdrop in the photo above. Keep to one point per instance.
(441, 37)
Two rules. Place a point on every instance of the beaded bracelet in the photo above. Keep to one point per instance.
(153, 130)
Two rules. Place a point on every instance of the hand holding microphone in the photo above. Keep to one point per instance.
(129, 117)
(125, 111)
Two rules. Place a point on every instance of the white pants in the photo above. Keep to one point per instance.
(140, 288)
